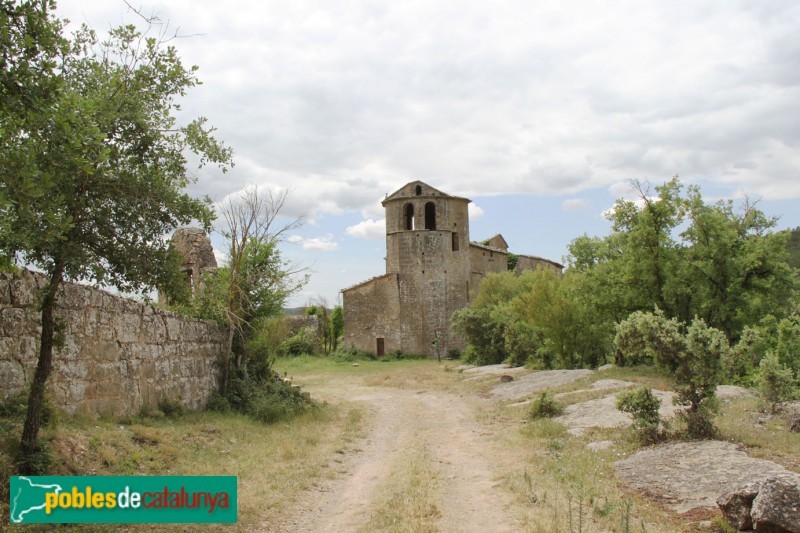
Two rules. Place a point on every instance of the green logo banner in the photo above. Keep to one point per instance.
(122, 499)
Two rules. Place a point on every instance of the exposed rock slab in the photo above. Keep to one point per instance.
(603, 413)
(535, 382)
(600, 445)
(603, 384)
(691, 475)
(732, 392)
(477, 372)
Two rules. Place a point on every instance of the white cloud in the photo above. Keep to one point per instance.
(575, 204)
(324, 243)
(475, 212)
(345, 105)
(368, 229)
(221, 257)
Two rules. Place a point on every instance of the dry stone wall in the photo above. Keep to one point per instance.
(117, 355)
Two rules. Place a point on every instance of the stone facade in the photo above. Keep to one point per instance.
(197, 257)
(431, 269)
(118, 354)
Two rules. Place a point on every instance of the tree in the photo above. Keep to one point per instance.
(97, 164)
(734, 270)
(337, 326)
(671, 249)
(256, 279)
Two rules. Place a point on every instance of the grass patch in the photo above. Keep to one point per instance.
(319, 373)
(563, 486)
(766, 436)
(273, 462)
(407, 499)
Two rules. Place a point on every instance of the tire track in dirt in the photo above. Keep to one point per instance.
(468, 495)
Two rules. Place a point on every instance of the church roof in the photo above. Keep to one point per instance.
(418, 189)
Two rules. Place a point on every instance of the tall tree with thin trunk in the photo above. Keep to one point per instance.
(257, 279)
(92, 173)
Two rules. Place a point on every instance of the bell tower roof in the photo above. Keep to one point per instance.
(418, 189)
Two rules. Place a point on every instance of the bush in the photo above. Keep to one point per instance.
(219, 403)
(546, 406)
(397, 355)
(171, 408)
(267, 400)
(776, 382)
(303, 342)
(14, 408)
(267, 336)
(277, 401)
(351, 355)
(694, 359)
(454, 353)
(643, 405)
(38, 462)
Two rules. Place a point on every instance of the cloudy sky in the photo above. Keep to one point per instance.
(539, 111)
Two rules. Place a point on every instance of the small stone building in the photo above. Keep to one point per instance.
(431, 269)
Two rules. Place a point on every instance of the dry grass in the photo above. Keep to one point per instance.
(321, 374)
(766, 436)
(273, 463)
(406, 500)
(562, 486)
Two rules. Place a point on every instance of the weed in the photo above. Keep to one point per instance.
(546, 406)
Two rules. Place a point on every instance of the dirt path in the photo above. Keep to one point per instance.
(437, 425)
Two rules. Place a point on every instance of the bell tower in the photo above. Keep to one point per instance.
(427, 247)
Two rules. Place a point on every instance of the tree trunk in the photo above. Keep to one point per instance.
(30, 431)
(226, 368)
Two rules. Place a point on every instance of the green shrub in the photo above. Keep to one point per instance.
(14, 408)
(643, 406)
(36, 463)
(303, 342)
(546, 406)
(776, 383)
(350, 355)
(277, 401)
(267, 400)
(219, 403)
(267, 336)
(455, 353)
(694, 359)
(398, 355)
(171, 408)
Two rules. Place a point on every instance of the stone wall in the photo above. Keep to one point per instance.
(118, 354)
(531, 262)
(371, 312)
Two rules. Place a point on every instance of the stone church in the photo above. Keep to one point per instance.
(431, 269)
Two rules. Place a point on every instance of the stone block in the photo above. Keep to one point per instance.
(25, 289)
(127, 327)
(776, 509)
(12, 322)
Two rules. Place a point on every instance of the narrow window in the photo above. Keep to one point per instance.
(467, 291)
(430, 215)
(455, 241)
(408, 216)
(419, 190)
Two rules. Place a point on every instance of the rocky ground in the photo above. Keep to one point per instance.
(466, 464)
(683, 476)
